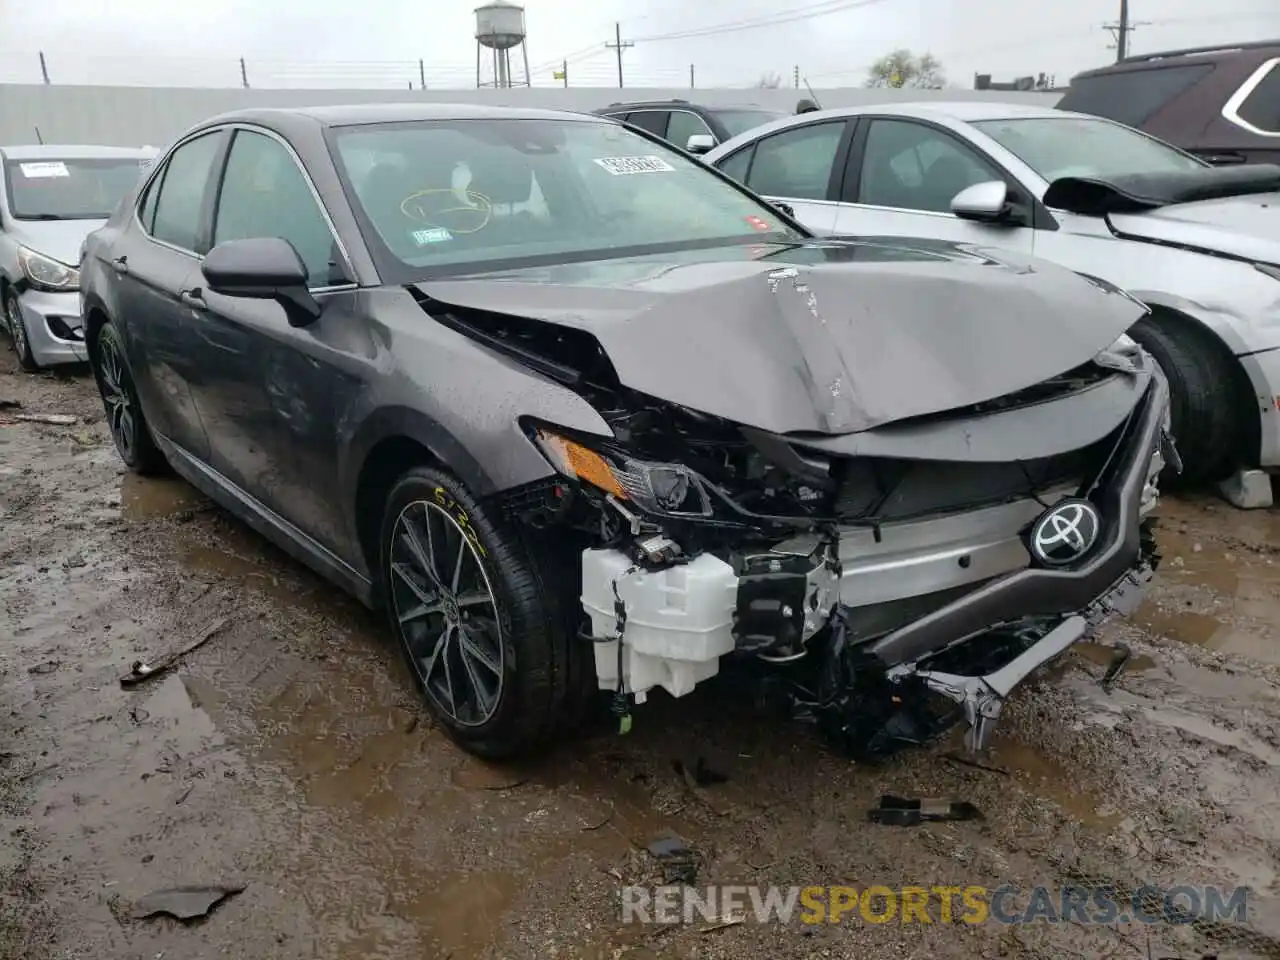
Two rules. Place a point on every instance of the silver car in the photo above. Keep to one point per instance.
(1199, 245)
(54, 197)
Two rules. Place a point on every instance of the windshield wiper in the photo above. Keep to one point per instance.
(40, 216)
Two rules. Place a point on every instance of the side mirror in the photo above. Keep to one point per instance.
(700, 143)
(262, 268)
(986, 202)
(786, 208)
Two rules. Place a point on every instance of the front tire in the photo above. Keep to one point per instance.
(1202, 411)
(479, 623)
(125, 419)
(17, 327)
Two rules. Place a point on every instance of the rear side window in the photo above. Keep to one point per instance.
(797, 162)
(1262, 107)
(1131, 96)
(147, 212)
(655, 121)
(177, 215)
(737, 165)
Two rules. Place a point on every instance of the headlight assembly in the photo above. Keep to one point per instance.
(666, 489)
(46, 273)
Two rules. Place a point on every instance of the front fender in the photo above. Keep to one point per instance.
(400, 421)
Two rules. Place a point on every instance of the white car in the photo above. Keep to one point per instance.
(1199, 245)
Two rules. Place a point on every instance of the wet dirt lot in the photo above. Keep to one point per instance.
(288, 755)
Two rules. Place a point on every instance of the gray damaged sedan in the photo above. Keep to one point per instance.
(584, 415)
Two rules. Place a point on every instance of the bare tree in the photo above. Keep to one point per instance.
(769, 81)
(902, 68)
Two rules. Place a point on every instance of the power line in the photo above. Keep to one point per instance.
(823, 9)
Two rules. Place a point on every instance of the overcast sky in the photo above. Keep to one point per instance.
(339, 43)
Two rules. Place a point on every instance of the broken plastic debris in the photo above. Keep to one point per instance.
(907, 812)
(679, 861)
(184, 902)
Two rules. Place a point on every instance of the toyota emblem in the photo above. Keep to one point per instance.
(1065, 533)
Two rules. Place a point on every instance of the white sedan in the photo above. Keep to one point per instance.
(1199, 245)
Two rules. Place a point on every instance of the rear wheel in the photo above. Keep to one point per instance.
(1202, 405)
(125, 420)
(17, 327)
(478, 620)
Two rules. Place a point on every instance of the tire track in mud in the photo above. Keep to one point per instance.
(289, 753)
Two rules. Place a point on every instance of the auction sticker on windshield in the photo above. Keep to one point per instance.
(433, 235)
(622, 166)
(48, 168)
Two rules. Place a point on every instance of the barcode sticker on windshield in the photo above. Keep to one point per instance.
(48, 168)
(622, 166)
(433, 235)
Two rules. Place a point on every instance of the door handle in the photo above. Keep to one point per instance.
(120, 265)
(193, 299)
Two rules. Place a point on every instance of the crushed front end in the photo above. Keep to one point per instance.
(906, 577)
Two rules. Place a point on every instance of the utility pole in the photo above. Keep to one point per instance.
(44, 67)
(691, 83)
(244, 74)
(422, 75)
(1121, 29)
(619, 46)
(564, 72)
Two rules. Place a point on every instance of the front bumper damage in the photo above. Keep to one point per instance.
(667, 624)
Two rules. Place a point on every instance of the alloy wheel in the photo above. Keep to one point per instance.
(446, 612)
(17, 329)
(121, 415)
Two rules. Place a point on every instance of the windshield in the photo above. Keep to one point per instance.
(83, 189)
(449, 194)
(1057, 147)
(740, 121)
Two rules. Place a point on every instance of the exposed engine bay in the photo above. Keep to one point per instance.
(897, 582)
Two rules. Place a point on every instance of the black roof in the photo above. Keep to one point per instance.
(1259, 49)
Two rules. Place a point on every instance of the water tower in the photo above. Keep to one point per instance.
(500, 28)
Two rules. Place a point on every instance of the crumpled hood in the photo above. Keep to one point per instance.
(1247, 226)
(827, 337)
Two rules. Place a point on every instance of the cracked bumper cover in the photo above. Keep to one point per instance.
(1111, 580)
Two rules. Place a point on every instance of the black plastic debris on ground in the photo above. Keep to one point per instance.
(679, 861)
(910, 811)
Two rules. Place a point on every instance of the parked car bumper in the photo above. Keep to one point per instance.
(55, 333)
(1263, 370)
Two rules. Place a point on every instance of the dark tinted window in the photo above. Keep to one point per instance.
(1131, 96)
(915, 167)
(264, 194)
(796, 163)
(736, 165)
(1262, 107)
(182, 192)
(655, 121)
(147, 212)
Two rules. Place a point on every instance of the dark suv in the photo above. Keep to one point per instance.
(1220, 103)
(678, 120)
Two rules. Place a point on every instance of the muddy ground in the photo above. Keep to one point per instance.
(289, 756)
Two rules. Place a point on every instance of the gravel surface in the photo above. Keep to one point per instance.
(289, 755)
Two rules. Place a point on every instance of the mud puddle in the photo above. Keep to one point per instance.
(291, 754)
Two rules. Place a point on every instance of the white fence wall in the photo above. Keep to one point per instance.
(132, 116)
